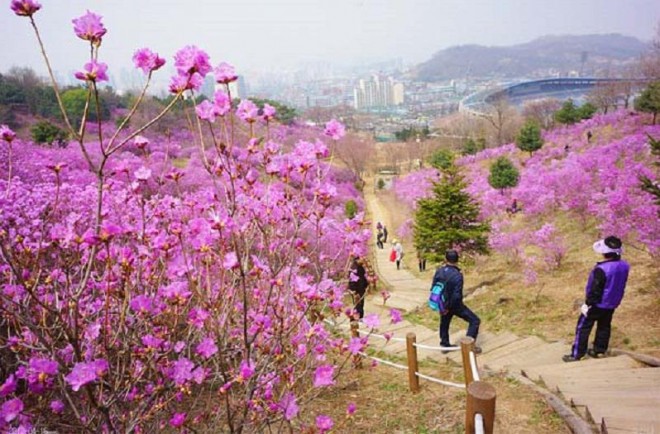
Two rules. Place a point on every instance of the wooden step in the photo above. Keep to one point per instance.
(521, 346)
(586, 365)
(535, 356)
(613, 377)
(628, 425)
(615, 409)
(488, 342)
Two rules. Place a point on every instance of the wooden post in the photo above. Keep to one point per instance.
(413, 366)
(480, 399)
(467, 345)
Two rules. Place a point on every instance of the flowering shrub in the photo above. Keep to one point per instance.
(135, 298)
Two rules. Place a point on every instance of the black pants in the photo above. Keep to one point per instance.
(465, 314)
(422, 264)
(358, 299)
(603, 320)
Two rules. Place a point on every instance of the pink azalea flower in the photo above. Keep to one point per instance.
(206, 348)
(176, 291)
(206, 111)
(9, 386)
(225, 73)
(355, 345)
(323, 376)
(109, 230)
(178, 419)
(147, 60)
(93, 71)
(334, 129)
(324, 423)
(248, 111)
(57, 406)
(57, 168)
(89, 27)
(182, 371)
(84, 373)
(7, 134)
(388, 336)
(289, 406)
(142, 174)
(179, 346)
(141, 142)
(396, 316)
(385, 296)
(222, 103)
(230, 261)
(190, 60)
(350, 410)
(11, 409)
(371, 320)
(25, 8)
(246, 370)
(268, 112)
(181, 82)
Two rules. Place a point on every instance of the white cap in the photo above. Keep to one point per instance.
(608, 245)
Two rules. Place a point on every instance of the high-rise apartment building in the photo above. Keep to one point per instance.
(377, 92)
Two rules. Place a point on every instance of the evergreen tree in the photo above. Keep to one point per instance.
(442, 159)
(46, 132)
(470, 147)
(568, 113)
(449, 219)
(503, 174)
(529, 138)
(648, 185)
(649, 100)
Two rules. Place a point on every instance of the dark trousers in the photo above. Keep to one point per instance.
(465, 314)
(358, 299)
(603, 320)
(422, 264)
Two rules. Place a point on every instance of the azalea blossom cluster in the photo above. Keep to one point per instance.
(595, 182)
(133, 300)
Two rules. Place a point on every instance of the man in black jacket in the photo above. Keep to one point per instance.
(453, 278)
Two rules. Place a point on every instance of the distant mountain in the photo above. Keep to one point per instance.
(593, 55)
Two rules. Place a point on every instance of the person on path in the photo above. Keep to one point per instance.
(452, 276)
(421, 260)
(357, 284)
(379, 239)
(398, 250)
(604, 291)
(385, 233)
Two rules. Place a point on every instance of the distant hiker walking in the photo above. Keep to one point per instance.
(398, 253)
(357, 284)
(379, 239)
(604, 292)
(451, 275)
(385, 233)
(421, 260)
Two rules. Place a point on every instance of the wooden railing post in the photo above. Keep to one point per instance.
(467, 345)
(413, 366)
(480, 399)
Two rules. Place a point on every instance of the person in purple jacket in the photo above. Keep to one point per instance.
(604, 292)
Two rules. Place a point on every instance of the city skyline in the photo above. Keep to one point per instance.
(260, 35)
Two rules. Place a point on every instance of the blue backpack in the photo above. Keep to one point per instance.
(438, 298)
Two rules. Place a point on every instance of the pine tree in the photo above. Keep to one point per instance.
(503, 174)
(529, 138)
(449, 219)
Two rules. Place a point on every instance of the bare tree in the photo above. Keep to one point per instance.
(501, 115)
(605, 96)
(357, 153)
(541, 111)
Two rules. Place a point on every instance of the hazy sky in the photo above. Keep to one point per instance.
(268, 34)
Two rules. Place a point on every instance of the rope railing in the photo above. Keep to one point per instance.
(480, 407)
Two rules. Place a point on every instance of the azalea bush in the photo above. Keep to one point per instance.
(138, 294)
